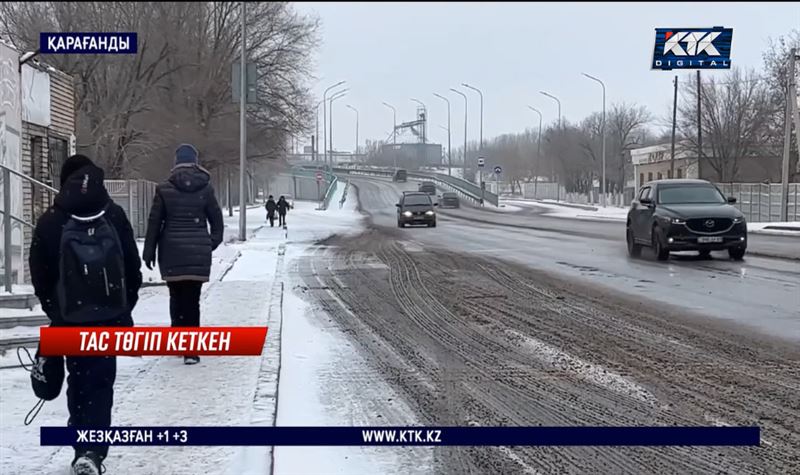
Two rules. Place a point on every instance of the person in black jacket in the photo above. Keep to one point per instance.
(271, 208)
(90, 384)
(183, 208)
(283, 207)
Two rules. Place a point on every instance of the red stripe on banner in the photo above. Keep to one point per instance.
(152, 341)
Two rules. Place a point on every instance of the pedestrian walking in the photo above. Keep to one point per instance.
(184, 207)
(283, 208)
(85, 271)
(271, 207)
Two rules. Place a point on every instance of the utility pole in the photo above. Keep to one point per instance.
(559, 106)
(243, 128)
(674, 118)
(464, 172)
(791, 105)
(449, 152)
(338, 95)
(699, 119)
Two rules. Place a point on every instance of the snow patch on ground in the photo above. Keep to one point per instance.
(760, 228)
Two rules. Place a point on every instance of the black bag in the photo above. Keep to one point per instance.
(47, 378)
(91, 286)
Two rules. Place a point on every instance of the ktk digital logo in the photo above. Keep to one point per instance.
(693, 48)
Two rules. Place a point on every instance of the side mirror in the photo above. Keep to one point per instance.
(436, 204)
(646, 201)
(397, 205)
(731, 199)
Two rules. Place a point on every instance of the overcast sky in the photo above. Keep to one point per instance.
(395, 51)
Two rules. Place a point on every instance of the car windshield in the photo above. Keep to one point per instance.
(448, 195)
(416, 200)
(688, 194)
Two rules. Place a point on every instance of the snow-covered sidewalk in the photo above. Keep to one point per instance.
(252, 284)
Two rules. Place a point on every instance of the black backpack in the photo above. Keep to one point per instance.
(91, 286)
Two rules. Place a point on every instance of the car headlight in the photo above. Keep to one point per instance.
(738, 220)
(429, 213)
(407, 214)
(678, 221)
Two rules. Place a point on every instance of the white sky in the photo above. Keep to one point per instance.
(511, 51)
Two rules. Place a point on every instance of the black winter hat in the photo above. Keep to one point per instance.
(73, 164)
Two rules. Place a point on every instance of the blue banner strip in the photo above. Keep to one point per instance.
(355, 436)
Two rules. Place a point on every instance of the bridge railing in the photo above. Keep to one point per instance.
(464, 188)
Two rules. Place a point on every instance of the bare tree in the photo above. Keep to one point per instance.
(735, 113)
(776, 67)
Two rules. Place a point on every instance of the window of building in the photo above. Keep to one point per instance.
(680, 172)
(669, 173)
(641, 179)
(659, 175)
(649, 176)
(58, 149)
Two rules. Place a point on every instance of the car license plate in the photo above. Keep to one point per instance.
(708, 239)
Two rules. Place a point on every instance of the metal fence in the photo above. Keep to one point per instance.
(761, 202)
(136, 198)
(301, 185)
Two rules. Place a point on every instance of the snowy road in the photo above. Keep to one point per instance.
(760, 292)
(566, 330)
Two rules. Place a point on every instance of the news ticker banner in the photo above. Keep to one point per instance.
(152, 341)
(88, 43)
(353, 436)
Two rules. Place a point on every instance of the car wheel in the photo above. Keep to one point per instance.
(433, 224)
(661, 253)
(401, 224)
(736, 254)
(634, 250)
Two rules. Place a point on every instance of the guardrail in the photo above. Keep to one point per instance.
(464, 188)
(329, 192)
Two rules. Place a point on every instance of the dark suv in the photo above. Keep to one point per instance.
(449, 200)
(416, 208)
(685, 215)
(428, 187)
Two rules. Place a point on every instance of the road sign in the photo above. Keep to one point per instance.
(319, 176)
(498, 170)
(481, 162)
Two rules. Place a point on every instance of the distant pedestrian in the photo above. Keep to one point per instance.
(85, 270)
(271, 207)
(184, 207)
(283, 208)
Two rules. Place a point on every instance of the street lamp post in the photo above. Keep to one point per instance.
(464, 173)
(315, 151)
(242, 129)
(338, 95)
(449, 152)
(559, 106)
(481, 94)
(538, 148)
(394, 132)
(325, 119)
(425, 123)
(356, 111)
(603, 180)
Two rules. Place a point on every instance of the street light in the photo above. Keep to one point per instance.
(394, 132)
(356, 111)
(315, 151)
(464, 173)
(242, 130)
(538, 149)
(424, 124)
(325, 119)
(336, 96)
(559, 106)
(449, 152)
(603, 181)
(481, 94)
